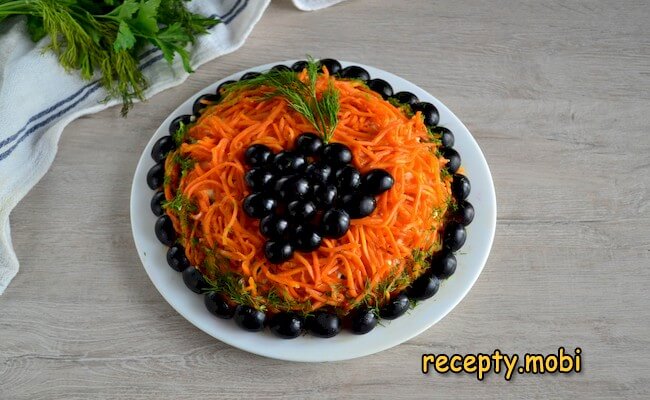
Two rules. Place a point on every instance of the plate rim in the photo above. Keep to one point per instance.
(138, 185)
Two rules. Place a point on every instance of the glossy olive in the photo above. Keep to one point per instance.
(424, 287)
(298, 66)
(292, 187)
(429, 112)
(348, 179)
(454, 159)
(377, 181)
(358, 205)
(332, 65)
(324, 195)
(156, 176)
(286, 325)
(324, 325)
(446, 136)
(396, 307)
(336, 154)
(355, 72)
(164, 230)
(218, 306)
(460, 187)
(249, 319)
(162, 146)
(280, 68)
(176, 258)
(454, 236)
(157, 203)
(258, 205)
(258, 179)
(194, 280)
(273, 226)
(287, 162)
(278, 251)
(221, 87)
(175, 125)
(301, 210)
(363, 320)
(257, 155)
(406, 98)
(203, 101)
(444, 265)
(318, 172)
(465, 213)
(249, 75)
(305, 238)
(380, 86)
(335, 223)
(308, 144)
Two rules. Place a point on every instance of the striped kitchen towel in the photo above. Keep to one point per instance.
(38, 99)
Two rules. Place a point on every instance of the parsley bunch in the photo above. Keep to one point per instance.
(107, 36)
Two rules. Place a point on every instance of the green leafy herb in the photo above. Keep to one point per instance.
(107, 37)
(180, 134)
(321, 112)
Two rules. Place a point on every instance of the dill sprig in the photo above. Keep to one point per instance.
(321, 112)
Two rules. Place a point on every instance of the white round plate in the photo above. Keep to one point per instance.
(471, 258)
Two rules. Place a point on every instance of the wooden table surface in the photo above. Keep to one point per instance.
(557, 94)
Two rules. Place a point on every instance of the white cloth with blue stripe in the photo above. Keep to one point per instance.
(38, 99)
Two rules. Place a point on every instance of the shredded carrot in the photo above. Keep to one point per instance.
(376, 251)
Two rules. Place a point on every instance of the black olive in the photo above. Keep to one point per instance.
(406, 98)
(280, 68)
(249, 75)
(358, 205)
(286, 325)
(156, 176)
(324, 195)
(355, 72)
(336, 154)
(465, 213)
(444, 265)
(194, 280)
(363, 321)
(258, 205)
(380, 86)
(162, 146)
(249, 319)
(396, 307)
(348, 179)
(273, 226)
(257, 155)
(305, 238)
(177, 259)
(278, 252)
(454, 236)
(324, 325)
(424, 287)
(175, 125)
(258, 179)
(318, 172)
(292, 187)
(218, 306)
(300, 210)
(221, 87)
(203, 101)
(298, 66)
(157, 202)
(454, 159)
(460, 187)
(308, 144)
(335, 223)
(164, 230)
(287, 162)
(446, 137)
(429, 112)
(377, 181)
(332, 65)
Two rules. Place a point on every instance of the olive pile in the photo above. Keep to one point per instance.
(324, 172)
(308, 193)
